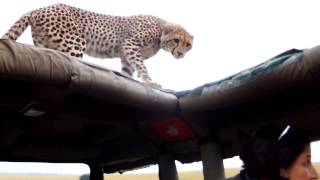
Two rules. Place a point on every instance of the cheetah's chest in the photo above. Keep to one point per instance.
(150, 49)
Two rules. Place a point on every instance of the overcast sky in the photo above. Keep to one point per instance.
(229, 35)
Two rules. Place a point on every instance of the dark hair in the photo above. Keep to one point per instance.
(270, 148)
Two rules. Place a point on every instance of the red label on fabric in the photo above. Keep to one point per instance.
(173, 129)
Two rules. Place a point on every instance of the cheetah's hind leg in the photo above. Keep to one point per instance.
(74, 47)
(65, 36)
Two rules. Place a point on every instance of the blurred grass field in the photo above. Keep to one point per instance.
(196, 175)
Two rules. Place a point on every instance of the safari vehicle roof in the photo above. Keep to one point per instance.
(55, 108)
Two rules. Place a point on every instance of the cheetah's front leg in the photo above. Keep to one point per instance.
(132, 60)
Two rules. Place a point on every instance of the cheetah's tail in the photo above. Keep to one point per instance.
(18, 27)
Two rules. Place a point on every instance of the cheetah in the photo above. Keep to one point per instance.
(75, 31)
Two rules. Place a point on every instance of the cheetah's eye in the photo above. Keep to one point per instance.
(188, 45)
(176, 40)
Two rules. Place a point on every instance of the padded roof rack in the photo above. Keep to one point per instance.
(56, 108)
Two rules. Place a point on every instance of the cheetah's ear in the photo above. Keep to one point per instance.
(167, 30)
(168, 27)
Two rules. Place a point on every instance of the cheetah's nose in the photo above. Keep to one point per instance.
(179, 54)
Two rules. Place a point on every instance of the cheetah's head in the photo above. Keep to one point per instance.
(176, 40)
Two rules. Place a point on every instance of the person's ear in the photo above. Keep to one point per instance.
(284, 173)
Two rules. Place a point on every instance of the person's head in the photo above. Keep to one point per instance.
(276, 152)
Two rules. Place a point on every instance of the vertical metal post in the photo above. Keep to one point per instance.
(96, 172)
(167, 168)
(212, 161)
